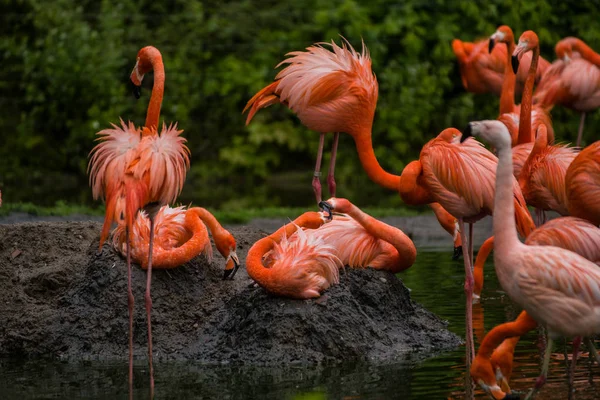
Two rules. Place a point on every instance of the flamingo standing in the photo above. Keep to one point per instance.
(302, 258)
(542, 178)
(558, 288)
(582, 184)
(336, 91)
(180, 235)
(573, 80)
(482, 70)
(138, 168)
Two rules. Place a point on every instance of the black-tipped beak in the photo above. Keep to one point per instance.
(230, 273)
(457, 253)
(325, 206)
(491, 45)
(467, 133)
(515, 63)
(137, 90)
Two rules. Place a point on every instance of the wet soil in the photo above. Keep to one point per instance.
(61, 297)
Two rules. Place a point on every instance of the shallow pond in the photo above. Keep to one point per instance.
(435, 281)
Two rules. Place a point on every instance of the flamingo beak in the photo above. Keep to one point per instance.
(491, 45)
(136, 79)
(514, 61)
(504, 385)
(137, 91)
(233, 264)
(327, 207)
(467, 133)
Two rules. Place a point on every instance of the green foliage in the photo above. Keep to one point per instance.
(65, 68)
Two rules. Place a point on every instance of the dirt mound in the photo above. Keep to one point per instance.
(61, 297)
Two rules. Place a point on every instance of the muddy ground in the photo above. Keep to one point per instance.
(61, 297)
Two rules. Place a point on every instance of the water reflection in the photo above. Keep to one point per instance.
(435, 281)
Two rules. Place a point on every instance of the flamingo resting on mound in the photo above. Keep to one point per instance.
(138, 168)
(336, 91)
(582, 184)
(558, 288)
(180, 235)
(303, 258)
(573, 80)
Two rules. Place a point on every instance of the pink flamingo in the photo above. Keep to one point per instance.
(482, 70)
(573, 80)
(583, 184)
(302, 258)
(336, 91)
(558, 288)
(180, 235)
(542, 178)
(134, 168)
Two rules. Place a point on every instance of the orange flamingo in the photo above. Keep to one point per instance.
(583, 184)
(336, 91)
(542, 178)
(134, 168)
(180, 235)
(301, 263)
(482, 71)
(520, 120)
(558, 288)
(573, 80)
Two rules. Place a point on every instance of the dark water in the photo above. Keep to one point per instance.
(435, 281)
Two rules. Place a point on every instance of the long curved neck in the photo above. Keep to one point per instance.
(587, 52)
(505, 230)
(387, 233)
(523, 324)
(157, 91)
(410, 188)
(507, 98)
(482, 255)
(211, 222)
(254, 263)
(366, 154)
(527, 99)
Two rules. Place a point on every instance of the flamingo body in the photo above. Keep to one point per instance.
(583, 184)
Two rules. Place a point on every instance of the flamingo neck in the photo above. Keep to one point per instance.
(366, 154)
(411, 190)
(527, 100)
(507, 98)
(482, 255)
(211, 222)
(254, 264)
(505, 230)
(523, 324)
(158, 89)
(587, 52)
(395, 237)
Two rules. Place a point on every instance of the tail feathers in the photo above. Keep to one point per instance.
(523, 219)
(264, 98)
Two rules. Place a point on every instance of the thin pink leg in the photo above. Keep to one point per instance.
(316, 183)
(330, 178)
(470, 348)
(148, 299)
(130, 303)
(576, 344)
(580, 132)
(471, 248)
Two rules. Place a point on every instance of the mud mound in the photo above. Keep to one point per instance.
(61, 297)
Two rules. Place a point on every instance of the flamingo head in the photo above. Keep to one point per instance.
(564, 48)
(527, 42)
(492, 131)
(450, 135)
(340, 205)
(226, 245)
(483, 374)
(145, 58)
(502, 35)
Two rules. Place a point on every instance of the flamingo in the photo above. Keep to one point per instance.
(573, 80)
(542, 178)
(336, 91)
(482, 71)
(582, 184)
(523, 119)
(558, 288)
(180, 235)
(302, 259)
(138, 168)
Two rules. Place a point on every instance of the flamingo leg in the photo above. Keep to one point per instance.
(580, 132)
(471, 248)
(130, 303)
(541, 380)
(148, 299)
(469, 281)
(316, 182)
(592, 349)
(576, 344)
(330, 178)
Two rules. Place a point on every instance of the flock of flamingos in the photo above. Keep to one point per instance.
(332, 89)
